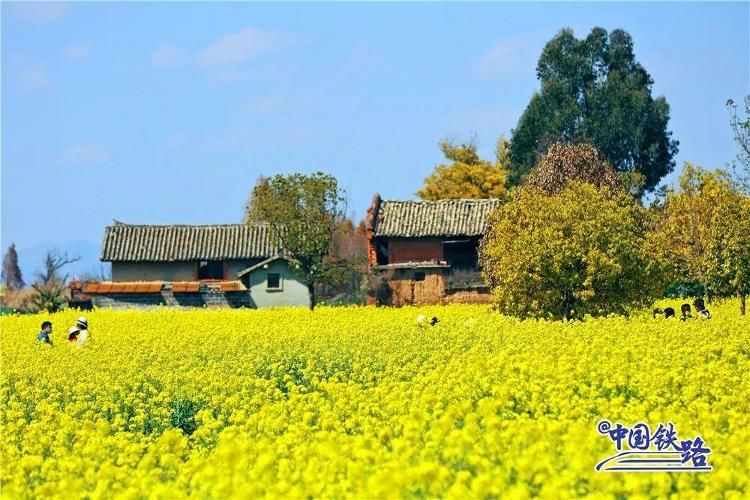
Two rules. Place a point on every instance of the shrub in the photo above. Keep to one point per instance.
(583, 251)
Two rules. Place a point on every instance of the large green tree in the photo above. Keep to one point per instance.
(593, 90)
(304, 213)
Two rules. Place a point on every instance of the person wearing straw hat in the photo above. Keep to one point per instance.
(73, 332)
(83, 331)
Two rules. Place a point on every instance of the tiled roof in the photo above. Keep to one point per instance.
(123, 287)
(107, 287)
(137, 243)
(232, 286)
(433, 218)
(186, 286)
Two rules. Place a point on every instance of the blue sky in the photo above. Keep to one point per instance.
(169, 112)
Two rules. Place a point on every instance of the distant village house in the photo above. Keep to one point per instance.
(229, 265)
(427, 251)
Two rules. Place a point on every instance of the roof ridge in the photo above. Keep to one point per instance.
(447, 200)
(238, 224)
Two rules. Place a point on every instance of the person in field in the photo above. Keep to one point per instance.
(669, 313)
(43, 337)
(83, 331)
(700, 309)
(658, 312)
(686, 313)
(73, 335)
(422, 321)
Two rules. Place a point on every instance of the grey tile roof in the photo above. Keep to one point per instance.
(145, 243)
(433, 218)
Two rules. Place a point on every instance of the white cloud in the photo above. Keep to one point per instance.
(76, 52)
(33, 78)
(507, 58)
(168, 56)
(38, 12)
(84, 153)
(226, 60)
(236, 48)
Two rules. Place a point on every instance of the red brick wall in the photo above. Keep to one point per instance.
(414, 250)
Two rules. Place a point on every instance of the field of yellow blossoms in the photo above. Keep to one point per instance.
(362, 402)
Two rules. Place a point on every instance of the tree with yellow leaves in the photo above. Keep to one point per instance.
(468, 176)
(584, 250)
(704, 230)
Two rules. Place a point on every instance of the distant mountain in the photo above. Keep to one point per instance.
(30, 259)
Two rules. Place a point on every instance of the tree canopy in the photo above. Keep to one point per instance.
(304, 213)
(593, 90)
(741, 128)
(468, 176)
(565, 163)
(12, 277)
(703, 229)
(582, 251)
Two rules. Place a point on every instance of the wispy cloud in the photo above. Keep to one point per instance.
(506, 58)
(228, 60)
(236, 48)
(169, 56)
(37, 12)
(76, 52)
(33, 78)
(84, 153)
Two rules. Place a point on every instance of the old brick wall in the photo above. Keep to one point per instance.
(406, 290)
(414, 250)
(432, 289)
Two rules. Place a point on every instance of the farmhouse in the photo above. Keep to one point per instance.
(427, 251)
(230, 265)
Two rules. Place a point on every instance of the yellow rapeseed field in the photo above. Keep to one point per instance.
(362, 402)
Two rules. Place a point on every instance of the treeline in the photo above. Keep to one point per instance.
(575, 236)
(573, 240)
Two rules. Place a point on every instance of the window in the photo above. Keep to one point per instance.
(419, 276)
(273, 281)
(210, 270)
